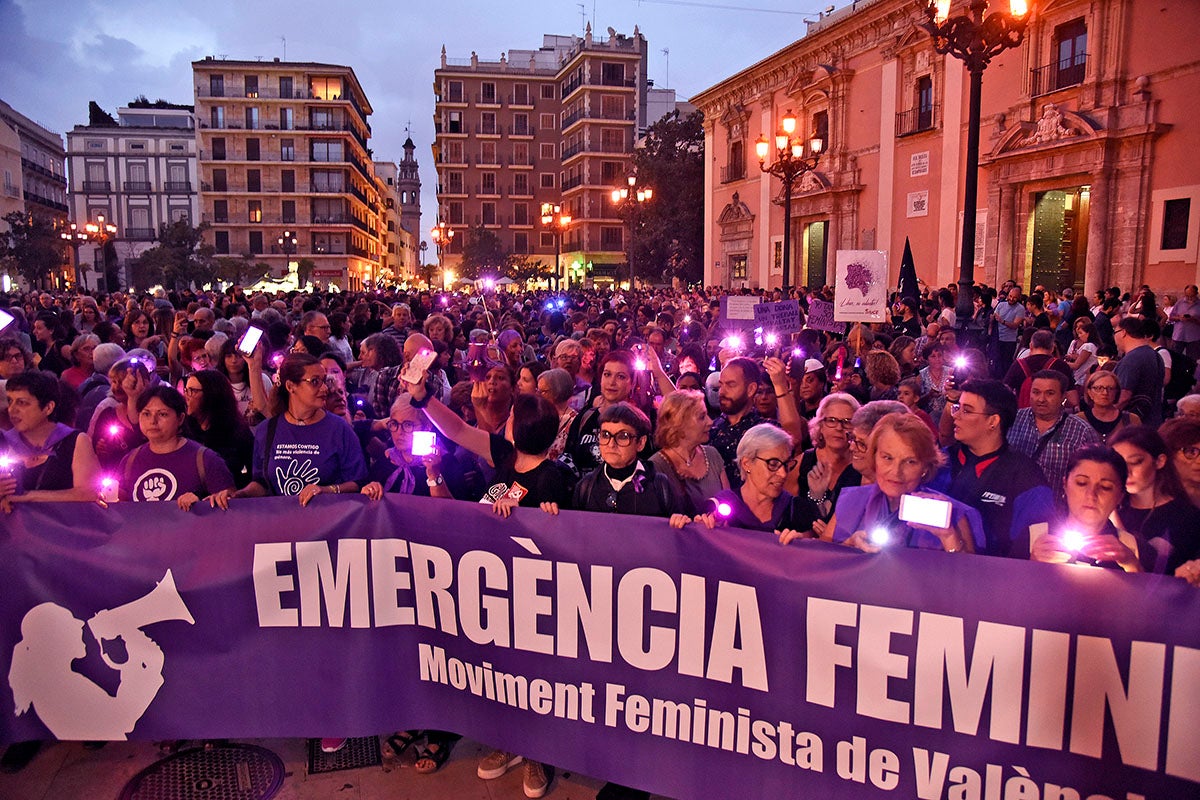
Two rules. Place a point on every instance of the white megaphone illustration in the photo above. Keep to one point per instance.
(70, 704)
(125, 622)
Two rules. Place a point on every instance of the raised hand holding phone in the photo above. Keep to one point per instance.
(414, 372)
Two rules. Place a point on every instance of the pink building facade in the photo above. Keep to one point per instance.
(1089, 174)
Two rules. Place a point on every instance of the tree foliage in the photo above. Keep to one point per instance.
(244, 271)
(99, 118)
(304, 271)
(482, 253)
(668, 232)
(31, 247)
(181, 259)
(523, 268)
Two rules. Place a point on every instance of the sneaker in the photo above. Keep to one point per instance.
(497, 763)
(332, 745)
(536, 781)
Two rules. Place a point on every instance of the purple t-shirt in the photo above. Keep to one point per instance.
(325, 452)
(147, 476)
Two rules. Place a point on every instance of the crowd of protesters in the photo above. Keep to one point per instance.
(1048, 426)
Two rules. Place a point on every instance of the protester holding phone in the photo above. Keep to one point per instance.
(45, 460)
(1094, 488)
(231, 362)
(113, 427)
(414, 464)
(905, 458)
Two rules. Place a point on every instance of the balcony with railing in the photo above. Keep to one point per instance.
(139, 234)
(733, 172)
(45, 201)
(571, 85)
(917, 120)
(178, 187)
(97, 187)
(38, 169)
(142, 187)
(572, 118)
(571, 183)
(522, 130)
(1058, 75)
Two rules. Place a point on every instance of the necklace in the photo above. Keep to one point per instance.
(306, 420)
(687, 459)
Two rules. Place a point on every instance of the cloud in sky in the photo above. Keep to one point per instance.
(59, 54)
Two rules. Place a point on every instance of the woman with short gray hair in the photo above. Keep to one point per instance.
(764, 458)
(557, 386)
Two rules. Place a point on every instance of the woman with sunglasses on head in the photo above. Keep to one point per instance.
(301, 450)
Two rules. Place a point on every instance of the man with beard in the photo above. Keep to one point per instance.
(736, 390)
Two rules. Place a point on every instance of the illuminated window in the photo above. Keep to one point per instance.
(325, 88)
(254, 211)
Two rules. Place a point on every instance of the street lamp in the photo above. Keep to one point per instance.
(442, 235)
(789, 164)
(287, 243)
(554, 218)
(974, 37)
(75, 239)
(627, 199)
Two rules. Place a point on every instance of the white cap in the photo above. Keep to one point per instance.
(812, 365)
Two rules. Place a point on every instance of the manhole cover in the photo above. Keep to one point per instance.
(220, 772)
(361, 752)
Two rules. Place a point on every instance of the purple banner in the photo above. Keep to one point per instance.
(689, 663)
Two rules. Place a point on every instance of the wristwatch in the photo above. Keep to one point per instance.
(436, 481)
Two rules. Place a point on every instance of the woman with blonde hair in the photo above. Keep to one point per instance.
(696, 468)
(906, 459)
(827, 467)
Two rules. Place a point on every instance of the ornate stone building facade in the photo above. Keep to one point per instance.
(1087, 174)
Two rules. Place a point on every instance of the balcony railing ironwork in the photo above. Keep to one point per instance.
(1058, 75)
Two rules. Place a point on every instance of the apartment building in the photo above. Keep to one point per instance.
(553, 125)
(1088, 176)
(283, 149)
(138, 174)
(43, 181)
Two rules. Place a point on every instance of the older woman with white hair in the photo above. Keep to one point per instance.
(557, 386)
(764, 458)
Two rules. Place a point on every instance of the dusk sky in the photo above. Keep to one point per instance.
(59, 54)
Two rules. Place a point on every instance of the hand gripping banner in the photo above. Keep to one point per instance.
(690, 663)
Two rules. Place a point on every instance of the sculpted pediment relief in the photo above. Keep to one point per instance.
(735, 212)
(1055, 126)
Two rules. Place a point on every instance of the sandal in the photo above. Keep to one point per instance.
(432, 756)
(400, 741)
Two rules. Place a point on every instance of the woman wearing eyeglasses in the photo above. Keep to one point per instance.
(1182, 436)
(401, 472)
(1101, 391)
(624, 484)
(214, 421)
(827, 468)
(862, 423)
(301, 450)
(764, 458)
(905, 458)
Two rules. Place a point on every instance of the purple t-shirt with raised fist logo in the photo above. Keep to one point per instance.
(149, 476)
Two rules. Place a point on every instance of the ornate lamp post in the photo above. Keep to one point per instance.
(627, 199)
(789, 164)
(75, 239)
(287, 243)
(554, 218)
(442, 235)
(974, 37)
